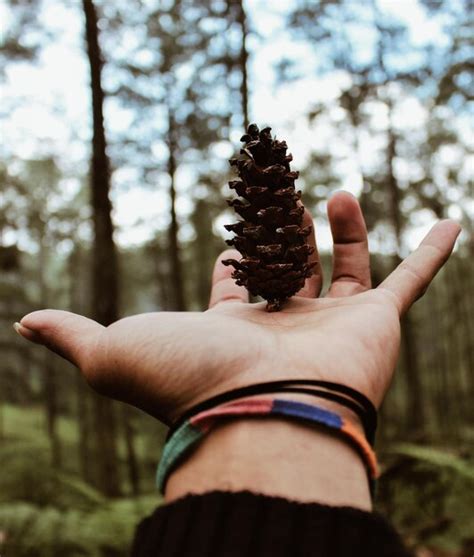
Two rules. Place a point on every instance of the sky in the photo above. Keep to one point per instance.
(51, 109)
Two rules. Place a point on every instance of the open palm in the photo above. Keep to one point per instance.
(166, 362)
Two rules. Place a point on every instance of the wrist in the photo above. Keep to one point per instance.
(277, 457)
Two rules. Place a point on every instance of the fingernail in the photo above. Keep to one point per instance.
(343, 192)
(17, 328)
(24, 332)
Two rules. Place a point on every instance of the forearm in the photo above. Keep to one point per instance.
(274, 457)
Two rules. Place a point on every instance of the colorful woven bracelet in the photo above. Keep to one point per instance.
(342, 394)
(188, 435)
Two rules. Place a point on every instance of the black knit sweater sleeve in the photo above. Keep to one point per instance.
(244, 524)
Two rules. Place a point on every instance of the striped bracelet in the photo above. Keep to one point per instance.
(189, 434)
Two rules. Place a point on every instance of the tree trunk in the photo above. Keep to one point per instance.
(51, 398)
(416, 402)
(82, 392)
(104, 257)
(49, 386)
(177, 280)
(416, 409)
(203, 254)
(132, 461)
(160, 258)
(243, 62)
(457, 317)
(394, 190)
(85, 430)
(465, 272)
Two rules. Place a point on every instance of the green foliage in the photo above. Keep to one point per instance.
(61, 514)
(18, 41)
(429, 495)
(27, 476)
(26, 424)
(105, 532)
(437, 459)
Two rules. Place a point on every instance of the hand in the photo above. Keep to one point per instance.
(166, 362)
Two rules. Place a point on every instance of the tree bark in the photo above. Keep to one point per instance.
(51, 398)
(203, 254)
(416, 409)
(132, 461)
(85, 430)
(82, 393)
(465, 272)
(243, 62)
(394, 190)
(104, 257)
(177, 280)
(160, 258)
(49, 386)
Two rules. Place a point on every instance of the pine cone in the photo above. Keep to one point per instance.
(270, 237)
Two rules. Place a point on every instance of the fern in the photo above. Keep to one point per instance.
(429, 495)
(31, 531)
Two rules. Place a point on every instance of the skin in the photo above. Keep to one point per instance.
(166, 362)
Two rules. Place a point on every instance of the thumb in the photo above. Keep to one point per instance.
(71, 336)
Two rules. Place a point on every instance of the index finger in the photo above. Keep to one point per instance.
(411, 278)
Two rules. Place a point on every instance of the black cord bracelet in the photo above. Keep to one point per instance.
(352, 399)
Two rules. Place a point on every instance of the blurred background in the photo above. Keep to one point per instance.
(117, 120)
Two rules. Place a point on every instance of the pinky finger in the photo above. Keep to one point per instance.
(411, 278)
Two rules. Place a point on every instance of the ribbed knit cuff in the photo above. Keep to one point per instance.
(223, 524)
